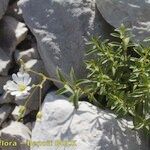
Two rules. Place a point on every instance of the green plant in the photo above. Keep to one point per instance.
(118, 72)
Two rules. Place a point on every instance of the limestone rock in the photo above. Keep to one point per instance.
(15, 113)
(3, 80)
(12, 33)
(17, 133)
(27, 55)
(14, 11)
(134, 14)
(30, 125)
(5, 111)
(6, 98)
(5, 62)
(62, 27)
(88, 127)
(3, 7)
(7, 122)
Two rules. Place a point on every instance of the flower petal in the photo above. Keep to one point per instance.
(5, 87)
(16, 93)
(28, 88)
(20, 77)
(10, 85)
(27, 79)
(24, 96)
(16, 78)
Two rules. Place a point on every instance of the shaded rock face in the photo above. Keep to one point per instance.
(3, 7)
(134, 14)
(27, 55)
(5, 111)
(5, 62)
(61, 29)
(90, 127)
(3, 80)
(12, 32)
(14, 11)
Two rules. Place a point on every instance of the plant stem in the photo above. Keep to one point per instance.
(42, 75)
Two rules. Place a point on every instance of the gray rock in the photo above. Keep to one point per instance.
(5, 62)
(7, 122)
(30, 125)
(18, 134)
(14, 11)
(15, 112)
(12, 33)
(33, 104)
(5, 111)
(6, 98)
(89, 128)
(3, 80)
(134, 14)
(27, 55)
(3, 7)
(61, 28)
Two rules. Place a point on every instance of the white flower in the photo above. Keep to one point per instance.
(19, 86)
